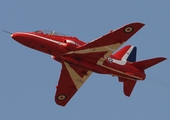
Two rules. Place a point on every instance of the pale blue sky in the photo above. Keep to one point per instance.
(28, 78)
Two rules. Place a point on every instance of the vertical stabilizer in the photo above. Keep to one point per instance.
(127, 53)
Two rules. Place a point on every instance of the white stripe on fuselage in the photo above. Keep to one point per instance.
(119, 62)
(124, 58)
(44, 38)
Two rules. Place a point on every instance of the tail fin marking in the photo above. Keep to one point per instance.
(127, 53)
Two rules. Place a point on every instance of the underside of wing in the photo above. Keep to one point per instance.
(71, 79)
(101, 48)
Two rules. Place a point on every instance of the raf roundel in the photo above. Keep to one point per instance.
(61, 97)
(128, 29)
(110, 59)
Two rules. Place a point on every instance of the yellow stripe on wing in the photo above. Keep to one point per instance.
(78, 81)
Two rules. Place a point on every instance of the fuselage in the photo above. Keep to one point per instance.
(56, 45)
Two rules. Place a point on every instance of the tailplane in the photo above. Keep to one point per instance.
(144, 64)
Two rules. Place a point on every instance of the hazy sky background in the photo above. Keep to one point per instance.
(28, 77)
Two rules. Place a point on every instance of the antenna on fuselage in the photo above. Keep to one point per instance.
(7, 32)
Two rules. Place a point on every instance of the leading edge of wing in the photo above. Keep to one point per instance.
(71, 79)
(110, 42)
(104, 46)
(120, 36)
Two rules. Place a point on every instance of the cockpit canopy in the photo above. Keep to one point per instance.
(50, 32)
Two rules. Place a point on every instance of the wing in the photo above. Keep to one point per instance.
(101, 48)
(71, 79)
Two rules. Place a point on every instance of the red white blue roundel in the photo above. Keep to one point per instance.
(110, 59)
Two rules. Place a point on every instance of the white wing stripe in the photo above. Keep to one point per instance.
(78, 81)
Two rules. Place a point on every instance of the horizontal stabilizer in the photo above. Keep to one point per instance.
(144, 64)
(128, 85)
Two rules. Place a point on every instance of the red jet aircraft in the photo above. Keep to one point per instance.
(79, 59)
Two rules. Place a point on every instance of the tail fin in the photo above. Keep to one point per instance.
(128, 85)
(127, 53)
(142, 65)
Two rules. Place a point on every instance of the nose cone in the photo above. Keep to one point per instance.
(21, 38)
(16, 36)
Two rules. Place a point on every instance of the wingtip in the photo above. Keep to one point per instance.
(60, 103)
(127, 95)
(141, 23)
(137, 24)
